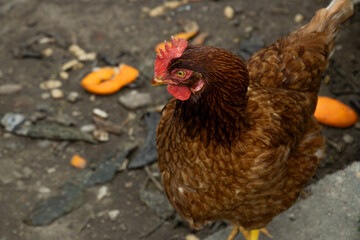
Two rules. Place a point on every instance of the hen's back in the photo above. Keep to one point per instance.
(297, 61)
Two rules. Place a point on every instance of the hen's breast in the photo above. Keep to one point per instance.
(252, 179)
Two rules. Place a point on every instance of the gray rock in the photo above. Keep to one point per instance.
(330, 213)
(135, 99)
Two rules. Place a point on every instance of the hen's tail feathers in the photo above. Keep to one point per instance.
(329, 19)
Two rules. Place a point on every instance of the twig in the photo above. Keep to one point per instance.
(152, 230)
(144, 184)
(156, 182)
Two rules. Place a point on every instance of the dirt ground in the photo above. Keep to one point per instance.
(32, 170)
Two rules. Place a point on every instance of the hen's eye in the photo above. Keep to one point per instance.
(180, 74)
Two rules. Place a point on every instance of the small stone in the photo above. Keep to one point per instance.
(88, 128)
(101, 135)
(76, 113)
(128, 184)
(50, 84)
(100, 113)
(103, 191)
(73, 97)
(27, 172)
(229, 12)
(57, 93)
(47, 52)
(51, 170)
(248, 29)
(64, 75)
(157, 11)
(357, 126)
(44, 143)
(92, 98)
(44, 190)
(173, 4)
(113, 214)
(45, 95)
(348, 138)
(134, 99)
(298, 18)
(7, 89)
(191, 237)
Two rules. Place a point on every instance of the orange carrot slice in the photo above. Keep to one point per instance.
(78, 162)
(186, 35)
(334, 113)
(106, 81)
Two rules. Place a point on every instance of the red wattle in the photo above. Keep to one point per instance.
(180, 92)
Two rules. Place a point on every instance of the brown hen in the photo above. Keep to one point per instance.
(239, 140)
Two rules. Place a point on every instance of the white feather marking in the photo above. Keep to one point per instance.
(330, 5)
(180, 189)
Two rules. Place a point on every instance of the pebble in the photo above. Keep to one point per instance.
(51, 170)
(298, 18)
(100, 113)
(229, 12)
(357, 125)
(57, 93)
(191, 237)
(113, 214)
(64, 75)
(47, 52)
(73, 97)
(248, 29)
(101, 135)
(44, 190)
(134, 99)
(88, 128)
(348, 138)
(45, 96)
(103, 191)
(44, 143)
(128, 184)
(27, 172)
(7, 89)
(50, 84)
(157, 11)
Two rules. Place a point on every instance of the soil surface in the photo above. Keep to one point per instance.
(32, 170)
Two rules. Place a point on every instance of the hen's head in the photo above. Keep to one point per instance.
(191, 70)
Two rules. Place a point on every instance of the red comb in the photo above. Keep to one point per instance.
(163, 58)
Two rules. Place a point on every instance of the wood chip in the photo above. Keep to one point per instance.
(72, 65)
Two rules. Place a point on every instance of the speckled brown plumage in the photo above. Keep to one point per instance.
(243, 147)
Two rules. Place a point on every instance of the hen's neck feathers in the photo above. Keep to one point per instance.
(219, 112)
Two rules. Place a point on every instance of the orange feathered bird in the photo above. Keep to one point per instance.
(239, 141)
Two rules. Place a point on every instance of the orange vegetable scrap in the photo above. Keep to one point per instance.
(78, 162)
(186, 35)
(109, 80)
(334, 113)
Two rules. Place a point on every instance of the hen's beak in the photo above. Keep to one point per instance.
(156, 81)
